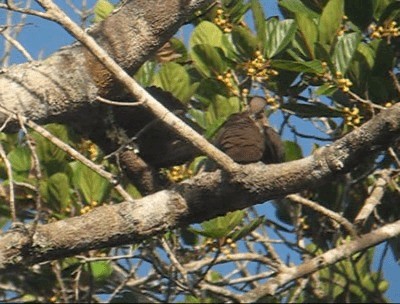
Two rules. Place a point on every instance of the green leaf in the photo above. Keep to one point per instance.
(259, 20)
(207, 33)
(279, 35)
(20, 159)
(221, 226)
(102, 9)
(360, 67)
(221, 107)
(247, 229)
(309, 32)
(244, 41)
(174, 78)
(209, 60)
(330, 21)
(344, 51)
(92, 185)
(292, 151)
(146, 73)
(326, 89)
(390, 11)
(298, 7)
(236, 9)
(101, 270)
(379, 7)
(368, 53)
(312, 110)
(313, 66)
(58, 188)
(46, 150)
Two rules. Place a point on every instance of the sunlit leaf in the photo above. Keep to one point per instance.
(259, 20)
(174, 78)
(102, 9)
(91, 184)
(292, 150)
(146, 73)
(207, 33)
(20, 159)
(221, 226)
(101, 270)
(344, 51)
(326, 89)
(330, 21)
(209, 60)
(298, 7)
(279, 34)
(245, 42)
(58, 188)
(309, 32)
(247, 229)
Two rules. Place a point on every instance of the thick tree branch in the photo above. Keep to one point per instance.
(190, 201)
(104, 70)
(328, 258)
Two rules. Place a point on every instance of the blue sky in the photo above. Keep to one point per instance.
(41, 38)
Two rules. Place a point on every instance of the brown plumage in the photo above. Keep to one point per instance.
(247, 138)
(160, 146)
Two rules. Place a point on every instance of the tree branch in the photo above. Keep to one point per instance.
(190, 201)
(328, 258)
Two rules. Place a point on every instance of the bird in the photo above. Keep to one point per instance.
(160, 146)
(246, 137)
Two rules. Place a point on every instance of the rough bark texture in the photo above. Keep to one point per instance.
(64, 86)
(190, 201)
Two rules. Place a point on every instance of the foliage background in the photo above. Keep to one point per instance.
(54, 191)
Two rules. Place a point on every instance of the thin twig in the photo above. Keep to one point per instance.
(373, 199)
(119, 103)
(18, 46)
(174, 260)
(57, 271)
(395, 81)
(394, 155)
(38, 175)
(365, 101)
(10, 6)
(329, 213)
(53, 12)
(75, 154)
(11, 194)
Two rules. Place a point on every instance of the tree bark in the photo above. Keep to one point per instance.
(190, 201)
(64, 87)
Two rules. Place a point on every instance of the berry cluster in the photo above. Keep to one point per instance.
(352, 116)
(259, 68)
(178, 173)
(223, 21)
(343, 83)
(389, 30)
